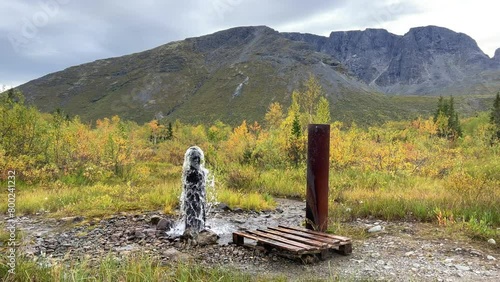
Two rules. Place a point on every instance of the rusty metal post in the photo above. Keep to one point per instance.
(318, 155)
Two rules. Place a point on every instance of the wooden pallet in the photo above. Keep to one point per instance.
(296, 241)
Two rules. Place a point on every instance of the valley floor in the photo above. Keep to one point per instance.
(402, 251)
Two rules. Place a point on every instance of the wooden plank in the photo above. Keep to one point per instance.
(238, 239)
(345, 249)
(270, 242)
(296, 238)
(329, 241)
(341, 238)
(284, 240)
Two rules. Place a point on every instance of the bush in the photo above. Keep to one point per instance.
(243, 177)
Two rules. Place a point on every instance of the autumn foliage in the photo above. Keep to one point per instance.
(267, 157)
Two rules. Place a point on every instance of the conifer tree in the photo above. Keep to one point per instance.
(495, 119)
(453, 121)
(296, 128)
(296, 142)
(446, 119)
(170, 132)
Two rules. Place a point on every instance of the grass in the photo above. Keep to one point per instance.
(392, 197)
(104, 199)
(467, 195)
(4, 234)
(288, 183)
(284, 183)
(96, 200)
(246, 201)
(133, 268)
(400, 170)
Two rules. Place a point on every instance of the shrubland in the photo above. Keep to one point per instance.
(399, 170)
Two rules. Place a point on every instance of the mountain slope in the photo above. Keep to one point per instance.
(229, 75)
(235, 74)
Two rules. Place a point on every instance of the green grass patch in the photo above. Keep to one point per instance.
(246, 200)
(103, 199)
(5, 235)
(133, 268)
(392, 197)
(98, 199)
(288, 183)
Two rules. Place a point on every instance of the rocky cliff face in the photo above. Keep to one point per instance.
(426, 60)
(496, 57)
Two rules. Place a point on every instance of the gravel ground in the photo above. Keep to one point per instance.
(400, 251)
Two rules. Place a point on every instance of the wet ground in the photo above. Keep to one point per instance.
(400, 251)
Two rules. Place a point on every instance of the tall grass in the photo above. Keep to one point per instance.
(246, 200)
(472, 202)
(133, 268)
(104, 199)
(97, 200)
(286, 182)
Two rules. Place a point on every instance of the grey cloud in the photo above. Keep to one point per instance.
(383, 13)
(367, 14)
(76, 32)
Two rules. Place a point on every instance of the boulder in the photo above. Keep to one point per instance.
(155, 219)
(207, 237)
(376, 228)
(164, 224)
(174, 255)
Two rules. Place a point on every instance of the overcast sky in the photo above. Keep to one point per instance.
(44, 36)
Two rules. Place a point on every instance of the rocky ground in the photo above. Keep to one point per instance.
(395, 251)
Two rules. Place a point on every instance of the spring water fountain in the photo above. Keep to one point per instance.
(193, 199)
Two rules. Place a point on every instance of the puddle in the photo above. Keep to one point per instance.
(224, 224)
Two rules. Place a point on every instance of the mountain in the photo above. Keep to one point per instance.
(426, 60)
(497, 55)
(235, 74)
(229, 75)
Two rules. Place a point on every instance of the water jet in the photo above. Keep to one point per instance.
(193, 197)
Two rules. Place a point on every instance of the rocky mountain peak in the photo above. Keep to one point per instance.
(497, 55)
(230, 37)
(417, 62)
(440, 39)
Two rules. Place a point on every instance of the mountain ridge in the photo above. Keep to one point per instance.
(174, 79)
(397, 64)
(235, 74)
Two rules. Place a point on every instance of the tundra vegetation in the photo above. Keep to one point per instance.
(439, 169)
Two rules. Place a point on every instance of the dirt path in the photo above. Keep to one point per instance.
(402, 251)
